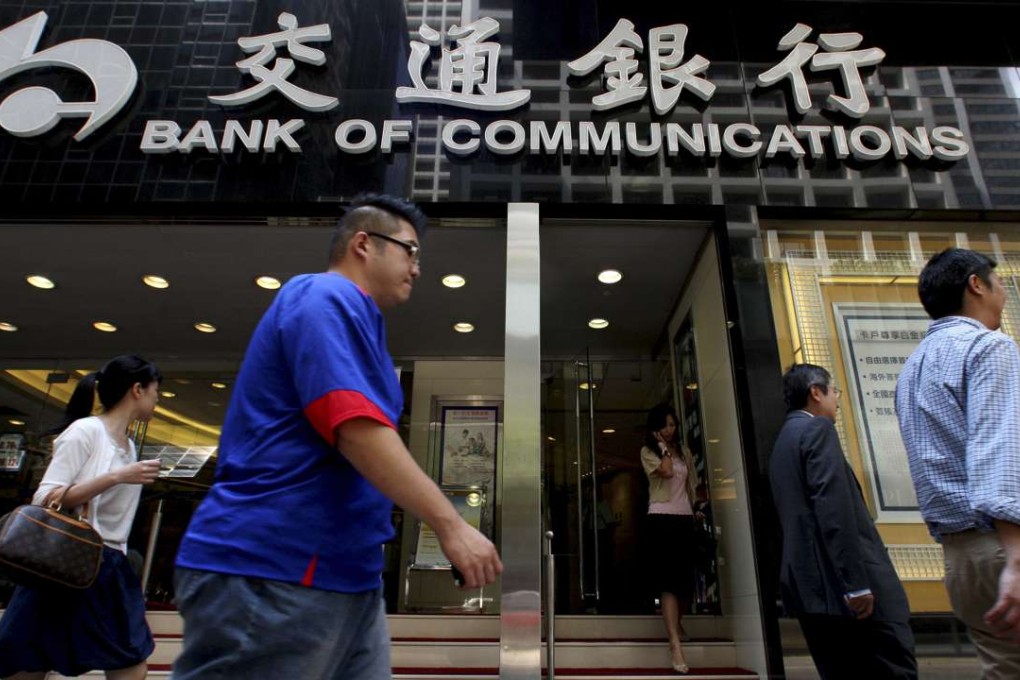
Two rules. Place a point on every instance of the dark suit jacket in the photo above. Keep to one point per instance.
(830, 545)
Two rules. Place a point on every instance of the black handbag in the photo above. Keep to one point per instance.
(44, 547)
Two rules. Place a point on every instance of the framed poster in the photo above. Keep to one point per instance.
(876, 340)
(470, 502)
(469, 436)
(12, 452)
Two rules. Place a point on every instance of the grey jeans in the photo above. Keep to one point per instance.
(237, 628)
(974, 561)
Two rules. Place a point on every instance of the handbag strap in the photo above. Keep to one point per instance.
(55, 501)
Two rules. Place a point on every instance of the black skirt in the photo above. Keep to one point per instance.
(669, 554)
(74, 632)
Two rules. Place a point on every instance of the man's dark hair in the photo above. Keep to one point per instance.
(798, 381)
(374, 212)
(943, 280)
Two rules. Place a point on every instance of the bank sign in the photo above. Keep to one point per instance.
(457, 70)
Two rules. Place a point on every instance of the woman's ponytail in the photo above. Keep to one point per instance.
(112, 382)
(82, 401)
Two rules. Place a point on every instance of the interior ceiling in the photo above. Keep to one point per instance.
(212, 267)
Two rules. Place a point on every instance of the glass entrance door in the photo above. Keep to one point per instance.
(606, 360)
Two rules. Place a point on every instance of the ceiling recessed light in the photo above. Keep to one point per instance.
(167, 395)
(610, 276)
(218, 385)
(104, 326)
(16, 422)
(463, 327)
(40, 281)
(608, 430)
(7, 327)
(598, 323)
(154, 281)
(552, 439)
(454, 281)
(267, 282)
(203, 327)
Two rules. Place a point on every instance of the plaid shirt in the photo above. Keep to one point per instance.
(959, 415)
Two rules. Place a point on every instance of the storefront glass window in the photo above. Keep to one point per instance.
(844, 296)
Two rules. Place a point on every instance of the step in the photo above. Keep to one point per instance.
(598, 627)
(577, 654)
(486, 626)
(470, 654)
(588, 647)
(582, 627)
(493, 674)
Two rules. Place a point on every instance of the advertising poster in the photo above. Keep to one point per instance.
(468, 446)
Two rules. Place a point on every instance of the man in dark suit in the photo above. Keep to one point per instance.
(836, 576)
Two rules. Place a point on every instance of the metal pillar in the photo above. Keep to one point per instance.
(520, 656)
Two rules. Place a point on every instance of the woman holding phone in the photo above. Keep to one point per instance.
(669, 533)
(96, 470)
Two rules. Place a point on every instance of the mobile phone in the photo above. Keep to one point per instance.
(458, 578)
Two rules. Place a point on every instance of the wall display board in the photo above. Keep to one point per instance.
(470, 502)
(876, 339)
(179, 461)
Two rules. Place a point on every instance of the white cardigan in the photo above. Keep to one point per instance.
(83, 452)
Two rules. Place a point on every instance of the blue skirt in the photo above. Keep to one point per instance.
(74, 632)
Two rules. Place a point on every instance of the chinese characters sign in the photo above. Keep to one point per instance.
(467, 73)
(275, 79)
(666, 51)
(458, 71)
(838, 53)
(12, 452)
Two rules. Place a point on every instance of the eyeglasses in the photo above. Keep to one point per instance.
(413, 251)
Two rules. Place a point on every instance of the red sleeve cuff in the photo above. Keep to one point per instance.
(337, 407)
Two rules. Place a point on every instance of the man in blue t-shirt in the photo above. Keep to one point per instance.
(279, 573)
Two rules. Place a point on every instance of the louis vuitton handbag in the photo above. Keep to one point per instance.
(44, 547)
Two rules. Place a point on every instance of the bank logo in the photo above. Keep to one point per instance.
(33, 111)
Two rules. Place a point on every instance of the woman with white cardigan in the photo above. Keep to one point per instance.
(96, 470)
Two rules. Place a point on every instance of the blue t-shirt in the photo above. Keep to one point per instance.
(285, 504)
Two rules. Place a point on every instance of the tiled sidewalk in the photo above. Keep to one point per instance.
(930, 668)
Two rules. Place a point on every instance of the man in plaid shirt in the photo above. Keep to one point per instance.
(959, 415)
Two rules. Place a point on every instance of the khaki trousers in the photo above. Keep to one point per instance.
(974, 561)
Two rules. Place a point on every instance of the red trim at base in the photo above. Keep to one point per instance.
(310, 571)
